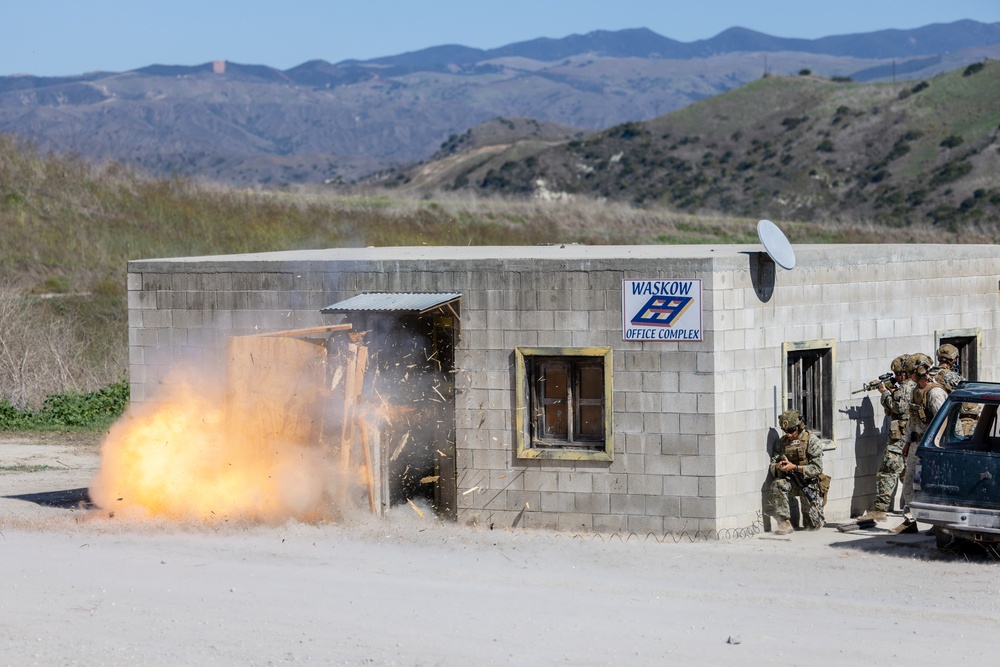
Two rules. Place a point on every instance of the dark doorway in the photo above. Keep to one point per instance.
(968, 355)
(411, 339)
(414, 381)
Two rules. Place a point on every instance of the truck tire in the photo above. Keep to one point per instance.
(945, 540)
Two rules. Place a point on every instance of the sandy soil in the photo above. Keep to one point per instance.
(80, 588)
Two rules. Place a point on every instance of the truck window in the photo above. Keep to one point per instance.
(970, 426)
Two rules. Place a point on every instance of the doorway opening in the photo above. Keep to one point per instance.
(411, 390)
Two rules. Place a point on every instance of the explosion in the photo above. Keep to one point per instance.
(275, 442)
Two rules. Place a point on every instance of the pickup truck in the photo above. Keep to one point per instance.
(957, 479)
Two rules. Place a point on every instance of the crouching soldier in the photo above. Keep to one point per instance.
(797, 466)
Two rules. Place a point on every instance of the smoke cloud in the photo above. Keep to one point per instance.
(263, 446)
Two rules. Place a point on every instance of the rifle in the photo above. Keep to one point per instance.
(810, 494)
(885, 378)
(807, 490)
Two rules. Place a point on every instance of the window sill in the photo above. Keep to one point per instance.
(565, 454)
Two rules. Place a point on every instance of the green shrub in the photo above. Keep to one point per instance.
(879, 176)
(12, 419)
(899, 150)
(949, 173)
(792, 122)
(951, 141)
(973, 68)
(69, 410)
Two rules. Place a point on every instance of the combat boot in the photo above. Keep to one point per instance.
(906, 527)
(878, 516)
(784, 528)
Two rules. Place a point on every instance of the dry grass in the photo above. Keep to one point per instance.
(70, 227)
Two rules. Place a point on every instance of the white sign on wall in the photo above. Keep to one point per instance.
(661, 310)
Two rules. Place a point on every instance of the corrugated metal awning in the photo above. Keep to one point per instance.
(395, 302)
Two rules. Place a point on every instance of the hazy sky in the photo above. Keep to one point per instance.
(63, 37)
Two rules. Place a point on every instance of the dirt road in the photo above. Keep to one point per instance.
(80, 588)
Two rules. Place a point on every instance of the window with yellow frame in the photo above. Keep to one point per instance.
(563, 398)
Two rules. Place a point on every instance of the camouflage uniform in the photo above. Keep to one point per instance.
(897, 406)
(967, 419)
(805, 450)
(924, 404)
(944, 373)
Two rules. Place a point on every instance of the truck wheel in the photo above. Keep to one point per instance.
(945, 540)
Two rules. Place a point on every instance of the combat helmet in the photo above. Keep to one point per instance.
(788, 420)
(947, 352)
(899, 363)
(918, 360)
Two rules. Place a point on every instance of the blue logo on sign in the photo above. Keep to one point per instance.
(662, 311)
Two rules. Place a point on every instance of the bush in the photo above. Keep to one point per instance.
(951, 141)
(793, 122)
(825, 146)
(973, 68)
(805, 72)
(69, 410)
(879, 176)
(899, 150)
(44, 346)
(949, 173)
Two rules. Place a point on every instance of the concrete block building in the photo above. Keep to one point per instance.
(606, 388)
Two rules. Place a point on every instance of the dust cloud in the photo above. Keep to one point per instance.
(270, 441)
(187, 456)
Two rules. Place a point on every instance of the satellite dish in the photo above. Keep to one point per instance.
(776, 244)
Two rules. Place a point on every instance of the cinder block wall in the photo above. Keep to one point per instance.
(662, 461)
(693, 420)
(875, 302)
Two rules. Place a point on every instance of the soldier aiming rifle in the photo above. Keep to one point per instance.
(895, 401)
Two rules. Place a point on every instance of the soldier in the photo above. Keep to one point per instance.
(796, 466)
(945, 373)
(928, 397)
(968, 416)
(897, 406)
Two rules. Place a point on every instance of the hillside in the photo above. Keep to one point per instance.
(318, 122)
(799, 147)
(70, 227)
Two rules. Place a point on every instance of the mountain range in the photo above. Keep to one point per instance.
(786, 147)
(322, 122)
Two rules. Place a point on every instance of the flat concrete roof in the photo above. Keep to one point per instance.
(811, 254)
